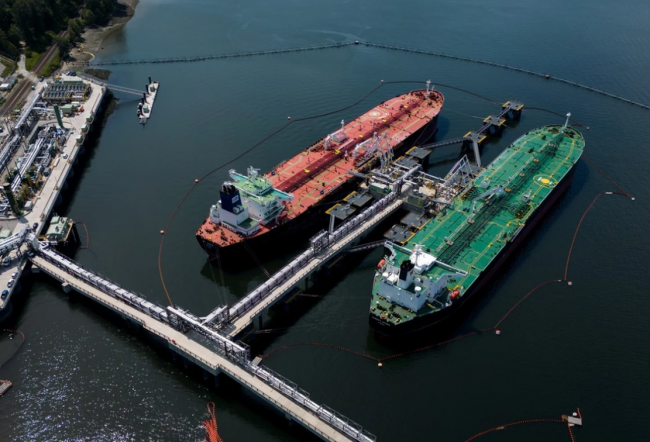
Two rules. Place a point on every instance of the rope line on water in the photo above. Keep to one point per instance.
(87, 246)
(512, 424)
(504, 66)
(199, 58)
(255, 258)
(222, 296)
(371, 45)
(573, 121)
(19, 347)
(320, 344)
(524, 298)
(568, 425)
(582, 218)
(607, 177)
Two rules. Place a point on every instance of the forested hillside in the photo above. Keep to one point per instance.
(38, 22)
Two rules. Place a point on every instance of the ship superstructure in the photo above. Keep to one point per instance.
(298, 189)
(248, 203)
(421, 283)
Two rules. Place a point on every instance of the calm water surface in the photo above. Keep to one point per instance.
(81, 376)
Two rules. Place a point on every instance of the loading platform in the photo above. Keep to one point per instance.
(392, 185)
(148, 99)
(493, 124)
(324, 247)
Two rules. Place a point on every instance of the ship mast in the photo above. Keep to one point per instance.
(566, 123)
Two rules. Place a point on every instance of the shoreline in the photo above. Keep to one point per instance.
(92, 38)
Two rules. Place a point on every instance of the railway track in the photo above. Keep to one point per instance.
(23, 87)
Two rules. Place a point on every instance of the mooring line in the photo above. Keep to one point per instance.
(512, 424)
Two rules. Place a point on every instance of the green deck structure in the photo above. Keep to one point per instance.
(459, 244)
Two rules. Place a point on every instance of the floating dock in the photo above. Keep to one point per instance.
(145, 107)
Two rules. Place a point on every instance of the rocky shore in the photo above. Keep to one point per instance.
(93, 37)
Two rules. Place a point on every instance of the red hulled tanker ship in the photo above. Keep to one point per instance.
(255, 210)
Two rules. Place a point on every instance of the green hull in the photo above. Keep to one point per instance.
(463, 241)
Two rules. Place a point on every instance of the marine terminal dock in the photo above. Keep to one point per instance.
(210, 342)
(180, 330)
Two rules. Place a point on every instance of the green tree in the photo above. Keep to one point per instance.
(63, 43)
(6, 19)
(14, 35)
(89, 17)
(7, 46)
(76, 26)
(33, 18)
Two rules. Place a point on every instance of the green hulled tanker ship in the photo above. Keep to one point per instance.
(425, 281)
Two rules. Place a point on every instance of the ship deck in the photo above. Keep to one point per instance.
(528, 170)
(316, 172)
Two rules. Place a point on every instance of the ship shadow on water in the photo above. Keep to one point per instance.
(284, 316)
(84, 158)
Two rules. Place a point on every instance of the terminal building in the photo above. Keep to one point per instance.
(67, 90)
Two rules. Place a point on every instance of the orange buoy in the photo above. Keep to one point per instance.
(454, 294)
(381, 263)
(196, 180)
(162, 232)
(498, 332)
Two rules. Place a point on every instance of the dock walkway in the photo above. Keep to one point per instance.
(285, 396)
(246, 313)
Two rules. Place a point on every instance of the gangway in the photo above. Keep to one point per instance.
(217, 355)
(113, 87)
(323, 247)
(367, 246)
(509, 110)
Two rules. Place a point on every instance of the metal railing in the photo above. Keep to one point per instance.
(268, 287)
(237, 353)
(105, 285)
